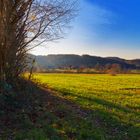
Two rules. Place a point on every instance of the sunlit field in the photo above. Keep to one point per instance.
(110, 104)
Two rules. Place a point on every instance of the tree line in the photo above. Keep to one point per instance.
(25, 24)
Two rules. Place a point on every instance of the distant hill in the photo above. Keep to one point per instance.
(77, 61)
(134, 62)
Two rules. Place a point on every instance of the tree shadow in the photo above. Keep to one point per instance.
(102, 102)
(109, 121)
(37, 113)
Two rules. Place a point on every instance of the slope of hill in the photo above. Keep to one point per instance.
(77, 61)
(135, 62)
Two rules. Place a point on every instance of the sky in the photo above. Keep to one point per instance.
(101, 28)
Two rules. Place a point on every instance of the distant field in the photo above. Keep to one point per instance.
(111, 103)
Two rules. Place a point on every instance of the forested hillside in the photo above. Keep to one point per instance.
(87, 61)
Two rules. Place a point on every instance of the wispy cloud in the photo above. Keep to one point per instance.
(95, 14)
(93, 21)
(101, 28)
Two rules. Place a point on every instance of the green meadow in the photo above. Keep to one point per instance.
(100, 107)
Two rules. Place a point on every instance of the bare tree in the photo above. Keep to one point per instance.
(25, 24)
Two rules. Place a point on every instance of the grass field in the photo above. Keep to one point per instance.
(108, 106)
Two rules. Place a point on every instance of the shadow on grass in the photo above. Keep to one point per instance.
(35, 113)
(99, 101)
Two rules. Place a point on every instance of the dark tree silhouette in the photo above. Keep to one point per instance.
(25, 24)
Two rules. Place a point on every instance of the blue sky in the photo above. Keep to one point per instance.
(102, 28)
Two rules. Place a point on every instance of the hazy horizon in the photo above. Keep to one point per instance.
(86, 54)
(101, 29)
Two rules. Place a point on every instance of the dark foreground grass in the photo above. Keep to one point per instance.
(38, 114)
(78, 107)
